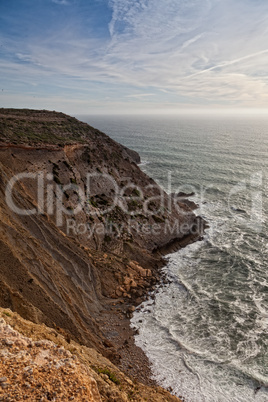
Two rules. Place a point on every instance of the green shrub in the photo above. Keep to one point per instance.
(111, 376)
(7, 313)
(136, 192)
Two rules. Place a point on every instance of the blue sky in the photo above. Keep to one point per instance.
(127, 56)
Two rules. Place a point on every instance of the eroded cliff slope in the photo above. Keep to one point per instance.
(81, 225)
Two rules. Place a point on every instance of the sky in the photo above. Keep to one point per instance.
(134, 56)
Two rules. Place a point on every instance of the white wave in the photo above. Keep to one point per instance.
(144, 162)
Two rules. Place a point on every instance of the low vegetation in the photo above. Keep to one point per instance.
(111, 376)
(23, 126)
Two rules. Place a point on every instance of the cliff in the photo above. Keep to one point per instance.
(82, 226)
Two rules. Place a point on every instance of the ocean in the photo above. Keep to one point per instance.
(206, 332)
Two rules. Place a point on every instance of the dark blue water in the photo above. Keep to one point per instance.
(206, 333)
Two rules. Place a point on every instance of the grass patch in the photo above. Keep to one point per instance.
(7, 313)
(136, 192)
(41, 126)
(111, 375)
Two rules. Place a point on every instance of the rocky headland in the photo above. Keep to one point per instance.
(82, 235)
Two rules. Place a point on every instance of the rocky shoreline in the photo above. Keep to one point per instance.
(116, 323)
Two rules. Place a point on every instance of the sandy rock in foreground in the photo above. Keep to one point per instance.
(112, 383)
(41, 371)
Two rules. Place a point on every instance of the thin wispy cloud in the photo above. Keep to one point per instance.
(190, 41)
(61, 2)
(139, 95)
(209, 52)
(231, 62)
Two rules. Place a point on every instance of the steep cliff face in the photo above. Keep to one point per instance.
(80, 222)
